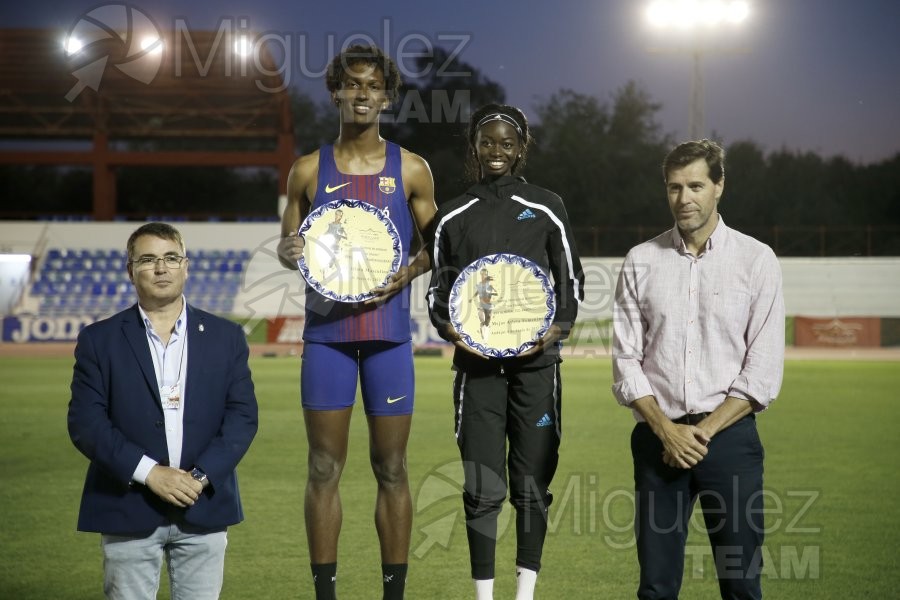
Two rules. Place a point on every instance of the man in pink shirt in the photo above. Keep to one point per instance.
(698, 350)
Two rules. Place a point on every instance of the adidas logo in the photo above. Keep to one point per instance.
(526, 214)
(545, 421)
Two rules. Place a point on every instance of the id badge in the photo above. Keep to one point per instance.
(170, 396)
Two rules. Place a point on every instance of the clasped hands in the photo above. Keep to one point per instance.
(684, 445)
(174, 485)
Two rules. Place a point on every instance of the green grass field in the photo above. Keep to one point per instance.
(832, 487)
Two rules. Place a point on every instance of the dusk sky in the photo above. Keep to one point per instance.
(818, 75)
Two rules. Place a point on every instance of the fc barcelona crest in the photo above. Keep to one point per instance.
(387, 184)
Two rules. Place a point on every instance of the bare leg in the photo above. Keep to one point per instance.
(327, 432)
(388, 436)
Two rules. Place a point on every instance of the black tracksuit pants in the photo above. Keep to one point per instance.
(494, 405)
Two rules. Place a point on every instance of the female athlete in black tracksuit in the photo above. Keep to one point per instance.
(514, 398)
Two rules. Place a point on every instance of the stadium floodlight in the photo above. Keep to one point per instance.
(690, 14)
(695, 18)
(243, 46)
(152, 44)
(738, 12)
(661, 14)
(72, 45)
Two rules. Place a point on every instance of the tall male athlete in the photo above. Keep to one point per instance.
(371, 341)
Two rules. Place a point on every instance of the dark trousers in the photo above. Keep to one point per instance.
(728, 483)
(523, 407)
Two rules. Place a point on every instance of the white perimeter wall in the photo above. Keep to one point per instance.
(814, 287)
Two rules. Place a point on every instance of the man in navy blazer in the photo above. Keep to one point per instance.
(164, 407)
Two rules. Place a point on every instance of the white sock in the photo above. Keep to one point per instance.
(525, 580)
(484, 589)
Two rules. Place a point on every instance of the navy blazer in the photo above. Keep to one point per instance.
(116, 417)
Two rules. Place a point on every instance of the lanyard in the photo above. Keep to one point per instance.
(170, 394)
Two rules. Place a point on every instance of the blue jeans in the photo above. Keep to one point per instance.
(195, 560)
(728, 484)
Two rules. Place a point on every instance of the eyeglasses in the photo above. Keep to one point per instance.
(145, 263)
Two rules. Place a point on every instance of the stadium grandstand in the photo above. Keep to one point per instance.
(111, 103)
(108, 100)
(94, 280)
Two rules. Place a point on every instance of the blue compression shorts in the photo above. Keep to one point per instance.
(329, 372)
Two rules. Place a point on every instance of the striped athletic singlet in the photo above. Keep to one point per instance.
(329, 321)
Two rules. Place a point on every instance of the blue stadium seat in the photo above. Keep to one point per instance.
(95, 280)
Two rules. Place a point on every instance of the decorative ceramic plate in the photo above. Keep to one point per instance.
(351, 248)
(502, 304)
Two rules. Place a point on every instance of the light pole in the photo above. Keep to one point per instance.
(695, 123)
(694, 18)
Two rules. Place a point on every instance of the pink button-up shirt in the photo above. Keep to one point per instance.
(691, 330)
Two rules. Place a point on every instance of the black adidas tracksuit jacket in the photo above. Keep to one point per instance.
(511, 216)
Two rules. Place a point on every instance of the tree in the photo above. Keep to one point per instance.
(571, 153)
(432, 113)
(880, 200)
(604, 161)
(637, 150)
(315, 123)
(748, 200)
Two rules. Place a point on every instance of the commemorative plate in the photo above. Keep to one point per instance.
(350, 248)
(501, 305)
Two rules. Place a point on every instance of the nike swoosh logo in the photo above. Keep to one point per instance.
(392, 400)
(329, 189)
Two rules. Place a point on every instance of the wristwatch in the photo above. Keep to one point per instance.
(199, 476)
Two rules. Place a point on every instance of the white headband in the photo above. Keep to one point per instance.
(500, 117)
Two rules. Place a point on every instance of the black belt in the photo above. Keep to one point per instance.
(691, 418)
